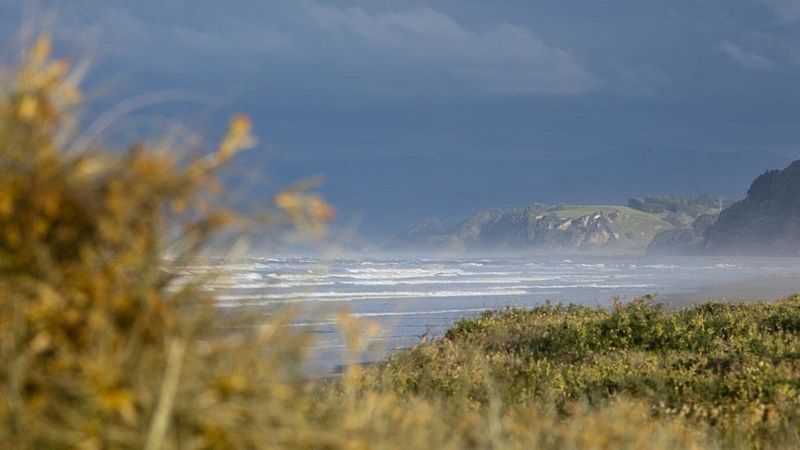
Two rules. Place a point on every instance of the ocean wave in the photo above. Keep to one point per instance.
(423, 281)
(273, 285)
(417, 271)
(310, 282)
(418, 313)
(597, 265)
(367, 315)
(226, 300)
(509, 280)
(579, 286)
(727, 266)
(228, 280)
(384, 274)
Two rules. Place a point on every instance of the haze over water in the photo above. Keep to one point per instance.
(410, 298)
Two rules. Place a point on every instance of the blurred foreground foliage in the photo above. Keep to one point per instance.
(102, 346)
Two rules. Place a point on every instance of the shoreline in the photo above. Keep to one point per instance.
(753, 289)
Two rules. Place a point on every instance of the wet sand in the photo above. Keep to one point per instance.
(764, 288)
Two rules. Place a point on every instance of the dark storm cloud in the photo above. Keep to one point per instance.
(316, 47)
(514, 78)
(746, 58)
(787, 10)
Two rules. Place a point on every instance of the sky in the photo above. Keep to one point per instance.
(487, 80)
(512, 78)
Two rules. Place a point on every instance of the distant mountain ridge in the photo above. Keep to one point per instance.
(388, 193)
(538, 228)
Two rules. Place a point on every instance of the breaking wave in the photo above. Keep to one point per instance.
(225, 300)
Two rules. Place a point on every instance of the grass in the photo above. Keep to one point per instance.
(635, 228)
(101, 347)
(572, 212)
(730, 369)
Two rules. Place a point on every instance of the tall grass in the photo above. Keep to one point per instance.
(102, 347)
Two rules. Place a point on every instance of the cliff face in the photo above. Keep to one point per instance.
(685, 239)
(535, 228)
(766, 222)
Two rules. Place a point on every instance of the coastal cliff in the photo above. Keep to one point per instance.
(766, 222)
(559, 229)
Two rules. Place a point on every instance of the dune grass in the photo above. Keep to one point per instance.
(101, 346)
(730, 369)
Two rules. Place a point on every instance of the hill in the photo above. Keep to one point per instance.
(690, 216)
(557, 229)
(387, 194)
(766, 222)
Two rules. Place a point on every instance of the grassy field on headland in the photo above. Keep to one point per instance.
(103, 345)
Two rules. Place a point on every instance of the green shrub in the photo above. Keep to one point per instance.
(733, 367)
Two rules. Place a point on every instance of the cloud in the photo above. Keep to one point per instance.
(786, 10)
(336, 50)
(745, 58)
(420, 25)
(644, 81)
(421, 42)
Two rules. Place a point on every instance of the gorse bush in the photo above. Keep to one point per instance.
(101, 346)
(96, 338)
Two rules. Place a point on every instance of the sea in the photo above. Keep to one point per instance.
(418, 298)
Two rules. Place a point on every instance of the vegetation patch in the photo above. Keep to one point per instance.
(732, 368)
(635, 228)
